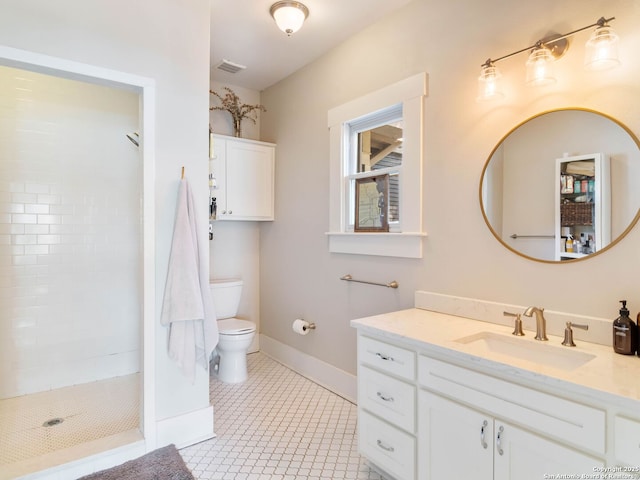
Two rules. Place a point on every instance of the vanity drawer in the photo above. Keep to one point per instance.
(386, 357)
(387, 397)
(627, 441)
(386, 446)
(560, 418)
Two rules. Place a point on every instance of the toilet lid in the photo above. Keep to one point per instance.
(235, 326)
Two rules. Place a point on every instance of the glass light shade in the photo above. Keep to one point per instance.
(602, 49)
(540, 67)
(289, 16)
(489, 87)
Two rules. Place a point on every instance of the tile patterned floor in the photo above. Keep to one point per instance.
(279, 425)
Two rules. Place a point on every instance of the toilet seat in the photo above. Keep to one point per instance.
(235, 326)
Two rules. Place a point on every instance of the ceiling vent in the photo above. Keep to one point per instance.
(227, 66)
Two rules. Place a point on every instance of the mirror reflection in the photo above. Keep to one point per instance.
(524, 188)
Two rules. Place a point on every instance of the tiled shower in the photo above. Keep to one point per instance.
(70, 240)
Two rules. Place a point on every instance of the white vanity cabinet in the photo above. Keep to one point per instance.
(427, 418)
(627, 444)
(508, 431)
(461, 442)
(387, 406)
(243, 172)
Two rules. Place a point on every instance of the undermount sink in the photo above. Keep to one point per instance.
(542, 353)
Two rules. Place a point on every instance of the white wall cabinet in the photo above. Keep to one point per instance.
(243, 178)
(582, 205)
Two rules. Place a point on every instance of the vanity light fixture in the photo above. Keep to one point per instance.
(540, 66)
(289, 15)
(601, 53)
(489, 82)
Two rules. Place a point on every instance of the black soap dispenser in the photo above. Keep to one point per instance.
(624, 332)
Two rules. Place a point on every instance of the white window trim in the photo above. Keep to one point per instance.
(411, 92)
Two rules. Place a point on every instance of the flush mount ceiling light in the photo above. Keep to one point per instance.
(601, 53)
(289, 15)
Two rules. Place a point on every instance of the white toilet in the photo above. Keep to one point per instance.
(236, 335)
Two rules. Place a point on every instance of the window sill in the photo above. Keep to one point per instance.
(405, 245)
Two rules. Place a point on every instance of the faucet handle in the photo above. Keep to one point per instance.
(568, 333)
(517, 327)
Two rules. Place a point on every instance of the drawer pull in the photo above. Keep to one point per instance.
(483, 441)
(384, 447)
(383, 397)
(499, 440)
(382, 356)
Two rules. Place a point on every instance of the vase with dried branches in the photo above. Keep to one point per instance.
(230, 102)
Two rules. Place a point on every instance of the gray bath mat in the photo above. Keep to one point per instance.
(162, 464)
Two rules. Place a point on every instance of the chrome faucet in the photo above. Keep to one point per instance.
(541, 323)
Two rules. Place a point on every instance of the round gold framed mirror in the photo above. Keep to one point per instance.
(560, 186)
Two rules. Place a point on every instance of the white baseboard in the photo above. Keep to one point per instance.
(187, 429)
(338, 381)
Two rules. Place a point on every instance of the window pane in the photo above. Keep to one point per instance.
(380, 147)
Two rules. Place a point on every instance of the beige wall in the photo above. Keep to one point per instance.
(167, 41)
(448, 40)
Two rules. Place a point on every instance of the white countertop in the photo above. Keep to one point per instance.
(608, 377)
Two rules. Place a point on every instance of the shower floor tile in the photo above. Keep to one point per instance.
(80, 414)
(279, 425)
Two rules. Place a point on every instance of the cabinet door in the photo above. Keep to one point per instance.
(455, 441)
(249, 181)
(521, 455)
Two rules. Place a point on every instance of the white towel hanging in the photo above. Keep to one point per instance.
(187, 306)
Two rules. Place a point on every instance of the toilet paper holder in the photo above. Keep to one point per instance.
(308, 325)
(302, 327)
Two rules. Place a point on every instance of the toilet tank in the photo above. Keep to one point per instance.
(226, 296)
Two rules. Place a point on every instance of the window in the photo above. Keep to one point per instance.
(378, 136)
(374, 146)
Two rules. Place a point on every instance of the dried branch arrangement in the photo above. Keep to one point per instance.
(230, 102)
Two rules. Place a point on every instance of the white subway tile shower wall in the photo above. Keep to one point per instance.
(70, 233)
